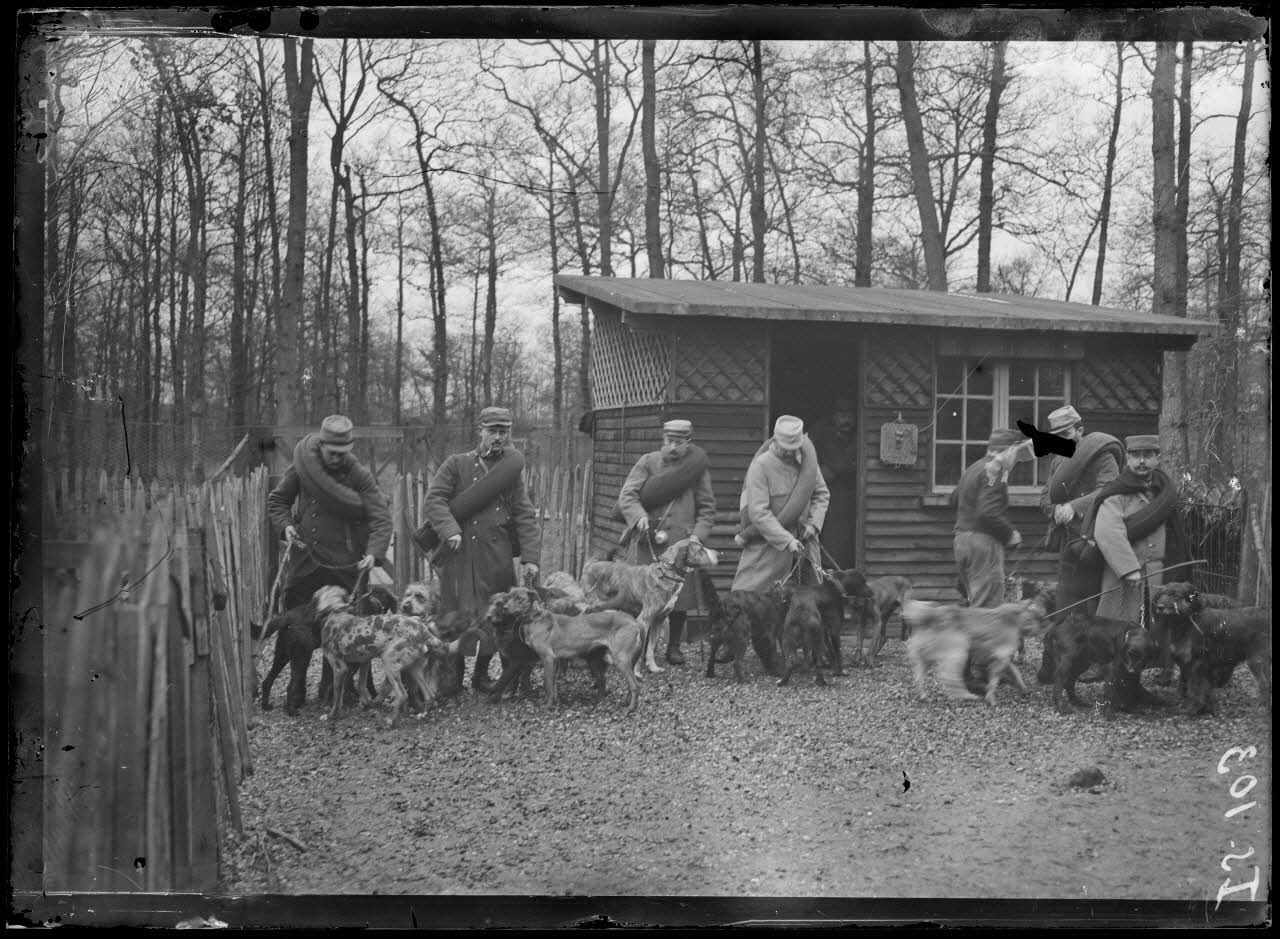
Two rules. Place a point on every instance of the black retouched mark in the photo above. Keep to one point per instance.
(906, 783)
(67, 747)
(1043, 443)
(139, 863)
(128, 460)
(309, 19)
(224, 21)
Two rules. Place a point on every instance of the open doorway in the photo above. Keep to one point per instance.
(813, 375)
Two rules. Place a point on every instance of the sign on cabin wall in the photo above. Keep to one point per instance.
(1011, 346)
(898, 443)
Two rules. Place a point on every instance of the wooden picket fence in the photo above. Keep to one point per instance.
(561, 495)
(148, 676)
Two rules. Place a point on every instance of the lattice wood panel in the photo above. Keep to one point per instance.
(628, 367)
(1115, 383)
(899, 372)
(721, 363)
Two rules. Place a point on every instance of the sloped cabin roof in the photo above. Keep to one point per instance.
(640, 298)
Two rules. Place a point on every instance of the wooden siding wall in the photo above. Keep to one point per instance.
(730, 434)
(1118, 391)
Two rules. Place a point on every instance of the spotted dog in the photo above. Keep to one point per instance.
(532, 633)
(945, 636)
(401, 643)
(297, 633)
(648, 592)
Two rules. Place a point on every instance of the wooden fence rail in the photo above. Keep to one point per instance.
(147, 688)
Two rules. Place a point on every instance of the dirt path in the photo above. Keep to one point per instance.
(718, 789)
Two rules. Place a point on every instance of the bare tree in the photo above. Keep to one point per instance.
(986, 201)
(652, 170)
(931, 234)
(1163, 181)
(1104, 213)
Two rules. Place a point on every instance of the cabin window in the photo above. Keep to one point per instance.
(973, 396)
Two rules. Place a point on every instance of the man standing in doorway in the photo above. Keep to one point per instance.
(836, 441)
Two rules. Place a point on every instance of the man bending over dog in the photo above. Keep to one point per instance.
(479, 514)
(983, 529)
(342, 525)
(783, 505)
(667, 496)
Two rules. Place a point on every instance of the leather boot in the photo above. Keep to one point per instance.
(675, 635)
(480, 679)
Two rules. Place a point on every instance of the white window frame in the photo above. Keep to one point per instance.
(999, 412)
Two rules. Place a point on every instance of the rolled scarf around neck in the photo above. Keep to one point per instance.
(674, 478)
(797, 501)
(318, 483)
(1147, 519)
(478, 496)
(1088, 449)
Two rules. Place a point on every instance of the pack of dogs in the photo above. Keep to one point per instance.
(615, 616)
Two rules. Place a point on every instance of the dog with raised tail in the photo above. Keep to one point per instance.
(943, 636)
(647, 592)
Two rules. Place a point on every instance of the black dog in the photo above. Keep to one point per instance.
(742, 616)
(298, 636)
(1121, 650)
(804, 628)
(836, 587)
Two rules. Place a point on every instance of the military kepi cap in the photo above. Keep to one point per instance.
(1064, 418)
(678, 428)
(335, 432)
(1142, 443)
(495, 417)
(788, 432)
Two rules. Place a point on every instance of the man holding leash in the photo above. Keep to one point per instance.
(783, 505)
(983, 529)
(1133, 522)
(667, 497)
(341, 527)
(479, 519)
(1071, 491)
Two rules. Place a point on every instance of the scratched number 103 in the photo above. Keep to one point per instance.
(1239, 789)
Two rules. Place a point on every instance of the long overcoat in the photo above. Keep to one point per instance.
(690, 514)
(1122, 556)
(765, 489)
(491, 539)
(331, 539)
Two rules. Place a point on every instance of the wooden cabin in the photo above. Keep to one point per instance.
(946, 368)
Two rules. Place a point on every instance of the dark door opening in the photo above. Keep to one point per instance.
(813, 367)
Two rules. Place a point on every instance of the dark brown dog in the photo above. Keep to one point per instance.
(887, 596)
(747, 615)
(1120, 649)
(1207, 643)
(804, 628)
(837, 588)
(1176, 599)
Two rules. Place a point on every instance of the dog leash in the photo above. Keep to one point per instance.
(1172, 567)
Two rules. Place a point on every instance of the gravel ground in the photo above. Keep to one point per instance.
(719, 789)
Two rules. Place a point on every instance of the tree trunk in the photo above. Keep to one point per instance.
(1104, 213)
(557, 343)
(398, 418)
(604, 190)
(758, 144)
(238, 392)
(491, 294)
(930, 233)
(299, 84)
(1183, 203)
(1164, 182)
(652, 175)
(986, 185)
(355, 391)
(866, 175)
